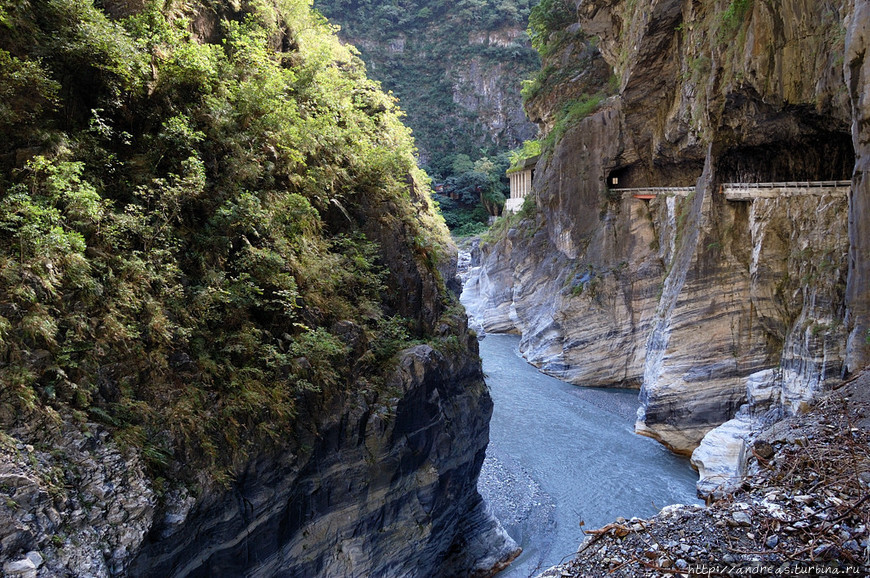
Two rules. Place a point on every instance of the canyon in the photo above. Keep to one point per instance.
(230, 342)
(230, 336)
(706, 302)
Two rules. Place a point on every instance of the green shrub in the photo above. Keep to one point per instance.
(733, 17)
(470, 229)
(547, 18)
(26, 91)
(503, 224)
(193, 223)
(529, 149)
(570, 115)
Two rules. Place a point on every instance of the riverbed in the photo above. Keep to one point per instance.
(560, 454)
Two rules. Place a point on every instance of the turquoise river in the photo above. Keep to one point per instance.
(561, 454)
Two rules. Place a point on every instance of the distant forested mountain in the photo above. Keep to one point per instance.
(457, 68)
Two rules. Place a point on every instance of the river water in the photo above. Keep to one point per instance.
(559, 454)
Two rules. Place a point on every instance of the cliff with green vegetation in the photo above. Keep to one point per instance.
(704, 300)
(456, 68)
(226, 339)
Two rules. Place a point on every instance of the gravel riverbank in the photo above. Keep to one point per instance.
(804, 509)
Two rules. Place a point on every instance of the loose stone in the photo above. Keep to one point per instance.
(741, 518)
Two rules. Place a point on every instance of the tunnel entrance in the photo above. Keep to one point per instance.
(817, 157)
(639, 175)
(828, 157)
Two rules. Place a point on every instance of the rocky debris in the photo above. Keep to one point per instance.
(805, 501)
(25, 567)
(71, 501)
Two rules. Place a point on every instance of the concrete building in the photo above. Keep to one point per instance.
(521, 184)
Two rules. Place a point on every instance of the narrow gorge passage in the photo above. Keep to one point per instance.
(559, 454)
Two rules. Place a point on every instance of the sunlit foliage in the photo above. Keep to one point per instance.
(180, 223)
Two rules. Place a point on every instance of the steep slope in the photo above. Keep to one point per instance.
(694, 295)
(857, 72)
(455, 66)
(776, 523)
(226, 344)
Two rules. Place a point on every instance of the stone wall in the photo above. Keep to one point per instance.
(857, 71)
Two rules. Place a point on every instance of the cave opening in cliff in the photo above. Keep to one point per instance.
(820, 157)
(640, 175)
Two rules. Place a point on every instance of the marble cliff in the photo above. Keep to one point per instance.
(704, 301)
(326, 414)
(455, 68)
(374, 487)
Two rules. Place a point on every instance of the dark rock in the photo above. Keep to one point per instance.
(181, 361)
(857, 71)
(347, 501)
(772, 541)
(763, 449)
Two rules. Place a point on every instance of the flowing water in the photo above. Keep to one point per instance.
(559, 454)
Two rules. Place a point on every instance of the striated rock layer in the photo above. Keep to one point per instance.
(690, 295)
(386, 489)
(378, 487)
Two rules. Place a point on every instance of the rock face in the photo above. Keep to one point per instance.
(73, 498)
(486, 92)
(690, 295)
(386, 489)
(721, 457)
(376, 487)
(456, 74)
(857, 72)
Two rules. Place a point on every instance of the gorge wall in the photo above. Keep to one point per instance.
(857, 72)
(382, 487)
(691, 297)
(455, 68)
(228, 340)
(374, 486)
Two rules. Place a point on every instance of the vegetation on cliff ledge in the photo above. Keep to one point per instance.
(190, 197)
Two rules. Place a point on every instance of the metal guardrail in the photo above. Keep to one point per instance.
(751, 191)
(744, 186)
(788, 185)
